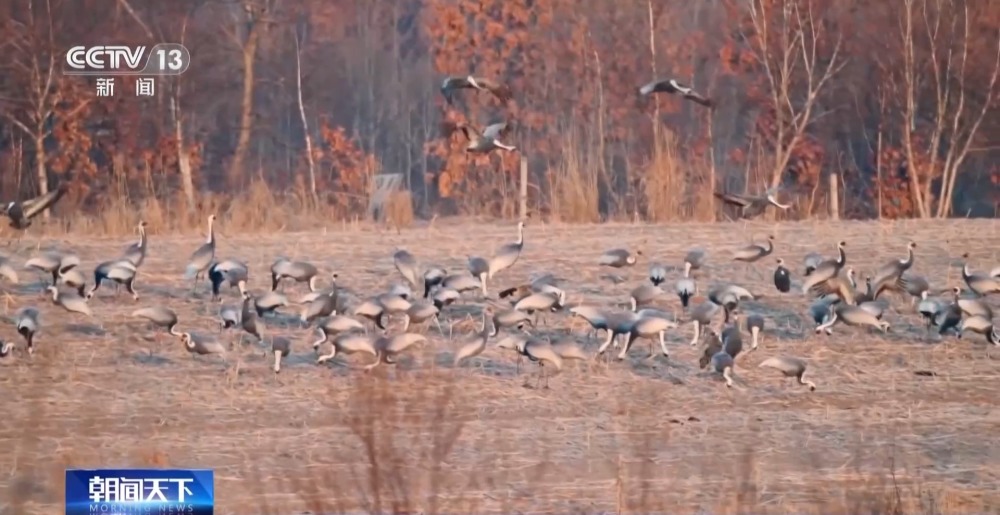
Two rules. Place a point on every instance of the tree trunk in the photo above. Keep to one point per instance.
(183, 159)
(246, 113)
(42, 175)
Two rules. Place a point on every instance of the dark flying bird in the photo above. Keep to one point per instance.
(673, 87)
(451, 84)
(21, 212)
(750, 205)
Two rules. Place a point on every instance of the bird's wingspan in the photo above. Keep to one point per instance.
(495, 130)
(38, 204)
(734, 199)
(501, 91)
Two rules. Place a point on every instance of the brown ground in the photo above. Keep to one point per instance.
(638, 436)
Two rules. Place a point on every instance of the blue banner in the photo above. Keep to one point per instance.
(140, 491)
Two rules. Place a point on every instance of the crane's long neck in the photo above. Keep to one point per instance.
(842, 257)
(55, 295)
(770, 247)
(520, 234)
(482, 327)
(142, 237)
(829, 323)
(908, 262)
(966, 273)
(211, 231)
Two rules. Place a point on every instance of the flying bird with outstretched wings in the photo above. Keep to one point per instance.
(451, 84)
(21, 212)
(750, 205)
(673, 87)
(481, 142)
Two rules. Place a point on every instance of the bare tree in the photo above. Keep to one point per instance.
(305, 123)
(34, 62)
(254, 19)
(953, 115)
(788, 40)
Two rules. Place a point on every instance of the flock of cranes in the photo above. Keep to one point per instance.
(489, 138)
(515, 317)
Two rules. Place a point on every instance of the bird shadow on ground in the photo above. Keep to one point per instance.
(86, 329)
(143, 358)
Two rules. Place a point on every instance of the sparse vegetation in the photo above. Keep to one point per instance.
(874, 438)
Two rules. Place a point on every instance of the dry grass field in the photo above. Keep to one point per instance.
(636, 436)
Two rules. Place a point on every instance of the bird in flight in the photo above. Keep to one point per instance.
(751, 205)
(21, 212)
(481, 142)
(673, 87)
(451, 84)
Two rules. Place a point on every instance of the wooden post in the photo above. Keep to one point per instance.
(523, 190)
(834, 196)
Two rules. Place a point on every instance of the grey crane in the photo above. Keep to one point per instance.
(70, 301)
(750, 205)
(388, 347)
(567, 347)
(481, 142)
(754, 252)
(507, 254)
(657, 273)
(538, 283)
(332, 291)
(686, 287)
(445, 297)
(20, 212)
(159, 316)
(865, 300)
(477, 344)
(454, 83)
(401, 290)
(618, 258)
(980, 325)
(199, 344)
(347, 343)
(782, 278)
(893, 270)
(643, 295)
(229, 317)
(702, 316)
(854, 316)
(433, 276)
(407, 267)
(298, 271)
(510, 318)
(334, 326)
(384, 304)
(281, 347)
(839, 285)
(616, 323)
(712, 346)
(596, 317)
(789, 367)
(732, 339)
(673, 87)
(694, 260)
(928, 307)
(811, 261)
(236, 273)
(949, 316)
(52, 262)
(322, 306)
(480, 269)
(911, 284)
(248, 318)
(981, 284)
(826, 270)
(119, 271)
(730, 295)
(975, 307)
(422, 311)
(269, 302)
(649, 327)
(136, 252)
(755, 325)
(203, 256)
(7, 270)
(820, 311)
(540, 302)
(722, 362)
(28, 323)
(537, 351)
(73, 278)
(462, 282)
